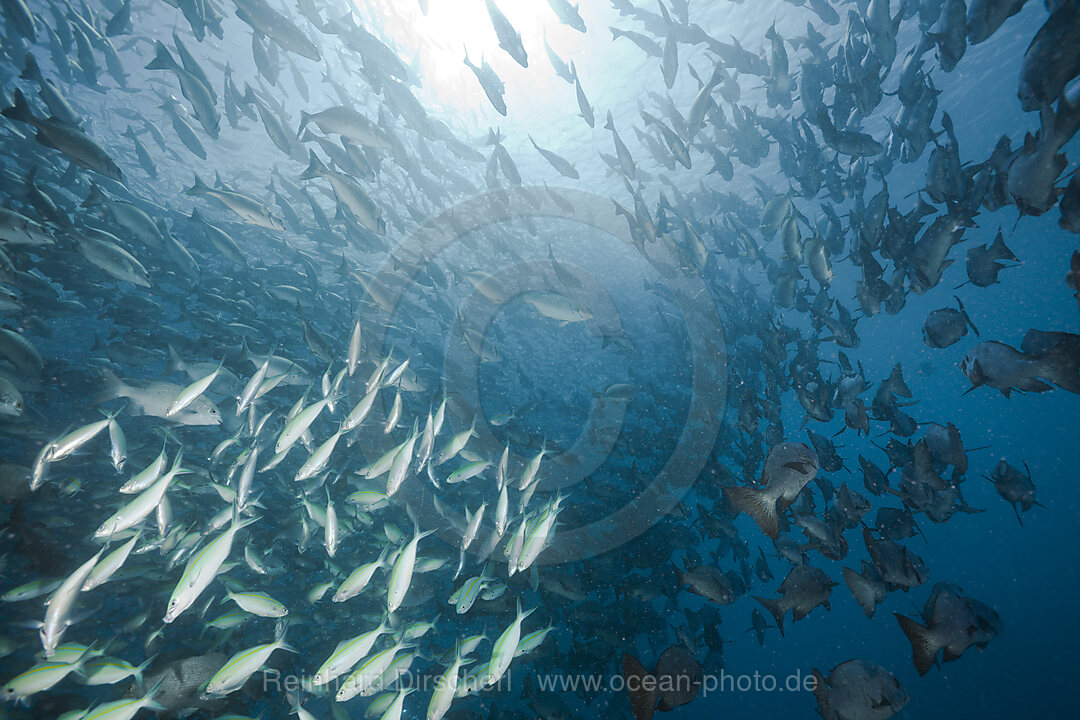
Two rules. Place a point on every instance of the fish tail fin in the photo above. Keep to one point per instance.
(967, 318)
(305, 118)
(757, 505)
(776, 608)
(609, 124)
(242, 523)
(1061, 365)
(31, 71)
(163, 59)
(68, 178)
(198, 188)
(821, 694)
(862, 589)
(280, 629)
(142, 669)
(825, 122)
(151, 704)
(680, 574)
(112, 387)
(175, 361)
(96, 196)
(20, 110)
(923, 647)
(315, 167)
(245, 351)
(1001, 251)
(642, 701)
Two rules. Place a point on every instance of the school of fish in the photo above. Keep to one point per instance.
(232, 451)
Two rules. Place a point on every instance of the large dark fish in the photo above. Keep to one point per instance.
(675, 681)
(953, 624)
(1015, 487)
(867, 587)
(946, 326)
(1044, 357)
(1052, 59)
(858, 690)
(803, 589)
(788, 468)
(984, 17)
(708, 582)
(982, 261)
(181, 682)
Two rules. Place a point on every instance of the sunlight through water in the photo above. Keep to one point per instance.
(436, 43)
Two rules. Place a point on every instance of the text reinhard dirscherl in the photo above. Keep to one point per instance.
(276, 681)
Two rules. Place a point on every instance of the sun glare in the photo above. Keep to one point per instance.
(454, 24)
(438, 40)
